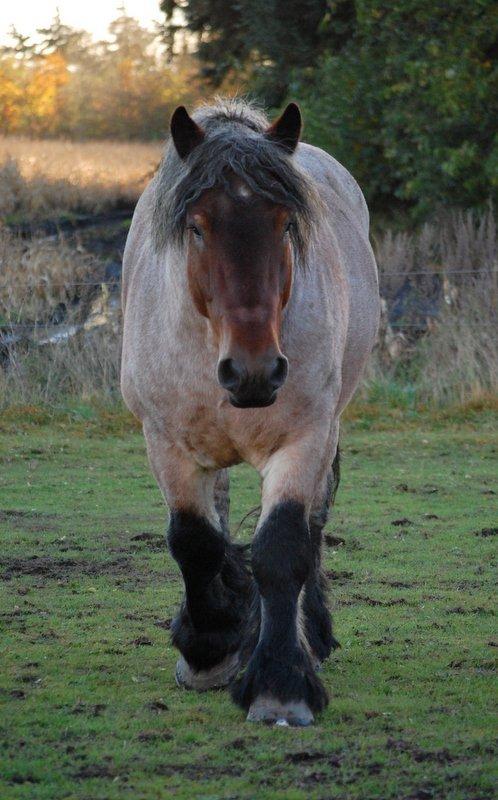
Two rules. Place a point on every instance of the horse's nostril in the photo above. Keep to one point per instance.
(279, 370)
(229, 375)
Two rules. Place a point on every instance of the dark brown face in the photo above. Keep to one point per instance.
(240, 267)
(240, 276)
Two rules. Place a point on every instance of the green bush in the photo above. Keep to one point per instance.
(409, 103)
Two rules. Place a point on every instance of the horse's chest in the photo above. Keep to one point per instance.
(207, 441)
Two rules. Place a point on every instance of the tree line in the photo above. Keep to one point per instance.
(64, 84)
(403, 92)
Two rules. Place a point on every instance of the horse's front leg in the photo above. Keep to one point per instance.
(280, 682)
(208, 628)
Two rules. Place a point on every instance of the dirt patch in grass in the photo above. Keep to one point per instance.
(95, 771)
(61, 568)
(485, 532)
(31, 521)
(197, 772)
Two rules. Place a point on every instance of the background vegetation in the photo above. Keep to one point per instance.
(404, 93)
(64, 84)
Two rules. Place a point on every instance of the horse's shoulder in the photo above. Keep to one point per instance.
(330, 173)
(138, 235)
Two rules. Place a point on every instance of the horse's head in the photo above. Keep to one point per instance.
(240, 261)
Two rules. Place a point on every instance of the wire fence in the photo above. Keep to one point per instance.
(407, 274)
(24, 327)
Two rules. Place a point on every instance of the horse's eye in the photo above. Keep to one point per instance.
(289, 227)
(195, 230)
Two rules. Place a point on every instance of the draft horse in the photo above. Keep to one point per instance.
(251, 304)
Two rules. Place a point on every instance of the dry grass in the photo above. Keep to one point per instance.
(36, 275)
(448, 356)
(40, 360)
(85, 366)
(43, 179)
(445, 349)
(459, 358)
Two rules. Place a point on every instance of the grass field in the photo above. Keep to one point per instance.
(90, 708)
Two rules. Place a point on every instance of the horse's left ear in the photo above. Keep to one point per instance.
(286, 130)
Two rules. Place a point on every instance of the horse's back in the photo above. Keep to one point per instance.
(340, 187)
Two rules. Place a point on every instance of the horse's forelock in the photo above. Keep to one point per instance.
(231, 145)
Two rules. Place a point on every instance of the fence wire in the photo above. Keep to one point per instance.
(7, 326)
(408, 274)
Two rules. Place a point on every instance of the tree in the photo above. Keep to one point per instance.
(404, 93)
(410, 103)
(268, 37)
(68, 85)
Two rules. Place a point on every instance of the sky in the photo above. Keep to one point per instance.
(91, 15)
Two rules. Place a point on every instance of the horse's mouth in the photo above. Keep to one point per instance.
(255, 402)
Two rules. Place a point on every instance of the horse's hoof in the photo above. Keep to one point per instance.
(202, 680)
(268, 709)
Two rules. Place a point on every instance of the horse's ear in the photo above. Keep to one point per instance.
(186, 133)
(286, 130)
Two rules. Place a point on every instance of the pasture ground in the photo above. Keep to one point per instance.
(90, 708)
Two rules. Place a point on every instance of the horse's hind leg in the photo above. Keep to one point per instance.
(208, 628)
(317, 621)
(222, 497)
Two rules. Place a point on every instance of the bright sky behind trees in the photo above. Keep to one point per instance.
(93, 16)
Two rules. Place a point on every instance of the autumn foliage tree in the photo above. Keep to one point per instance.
(65, 84)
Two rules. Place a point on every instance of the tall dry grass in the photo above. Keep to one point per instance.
(451, 265)
(37, 275)
(453, 358)
(59, 327)
(42, 179)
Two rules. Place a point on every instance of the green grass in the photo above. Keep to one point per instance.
(89, 705)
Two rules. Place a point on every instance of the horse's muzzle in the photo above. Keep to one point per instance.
(252, 389)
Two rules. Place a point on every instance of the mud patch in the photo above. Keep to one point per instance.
(156, 706)
(142, 641)
(197, 772)
(88, 709)
(95, 771)
(372, 601)
(149, 541)
(154, 736)
(60, 568)
(485, 532)
(19, 779)
(30, 521)
(442, 756)
(336, 575)
(333, 541)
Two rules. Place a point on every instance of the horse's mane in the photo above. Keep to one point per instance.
(234, 142)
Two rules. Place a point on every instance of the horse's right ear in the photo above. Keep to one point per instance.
(186, 133)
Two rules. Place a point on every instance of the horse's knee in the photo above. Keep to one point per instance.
(281, 552)
(197, 546)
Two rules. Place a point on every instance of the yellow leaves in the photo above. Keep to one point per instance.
(43, 93)
(32, 92)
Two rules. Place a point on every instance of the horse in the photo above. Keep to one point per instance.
(250, 306)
